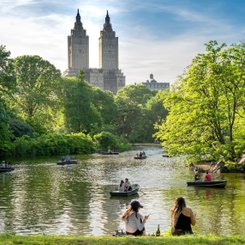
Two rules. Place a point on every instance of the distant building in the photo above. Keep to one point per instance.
(152, 84)
(108, 76)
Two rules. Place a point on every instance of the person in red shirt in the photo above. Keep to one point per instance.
(207, 176)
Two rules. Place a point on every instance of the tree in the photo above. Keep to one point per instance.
(105, 104)
(132, 122)
(156, 113)
(7, 84)
(206, 104)
(7, 77)
(36, 95)
(81, 115)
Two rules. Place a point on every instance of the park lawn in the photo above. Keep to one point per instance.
(8, 239)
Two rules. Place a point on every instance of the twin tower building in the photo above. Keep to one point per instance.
(108, 76)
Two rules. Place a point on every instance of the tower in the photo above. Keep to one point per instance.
(108, 76)
(78, 47)
(108, 47)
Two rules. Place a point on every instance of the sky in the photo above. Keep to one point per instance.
(159, 37)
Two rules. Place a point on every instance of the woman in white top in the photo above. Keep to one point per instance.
(135, 222)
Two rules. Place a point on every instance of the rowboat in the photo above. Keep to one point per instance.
(67, 162)
(135, 189)
(140, 157)
(213, 183)
(6, 169)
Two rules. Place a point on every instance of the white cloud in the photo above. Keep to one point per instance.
(140, 51)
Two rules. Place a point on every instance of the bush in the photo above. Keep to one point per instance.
(53, 144)
(107, 140)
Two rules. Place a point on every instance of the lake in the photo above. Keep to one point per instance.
(40, 197)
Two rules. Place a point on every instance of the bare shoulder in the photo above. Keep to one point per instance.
(187, 211)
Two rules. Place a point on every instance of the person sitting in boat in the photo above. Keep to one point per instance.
(135, 222)
(62, 159)
(207, 176)
(140, 154)
(68, 158)
(121, 186)
(127, 185)
(109, 150)
(143, 153)
(197, 174)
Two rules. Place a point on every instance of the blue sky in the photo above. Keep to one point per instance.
(158, 36)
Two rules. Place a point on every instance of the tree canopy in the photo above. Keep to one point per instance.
(36, 90)
(206, 118)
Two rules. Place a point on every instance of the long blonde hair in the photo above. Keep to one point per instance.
(126, 213)
(177, 209)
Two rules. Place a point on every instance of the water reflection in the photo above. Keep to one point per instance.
(46, 198)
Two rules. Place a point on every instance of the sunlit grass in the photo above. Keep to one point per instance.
(7, 239)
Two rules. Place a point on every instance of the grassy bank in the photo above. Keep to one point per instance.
(7, 239)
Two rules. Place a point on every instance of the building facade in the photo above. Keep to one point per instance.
(152, 84)
(108, 76)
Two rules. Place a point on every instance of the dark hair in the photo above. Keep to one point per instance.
(121, 182)
(135, 205)
(179, 205)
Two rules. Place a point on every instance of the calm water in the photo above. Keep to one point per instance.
(44, 198)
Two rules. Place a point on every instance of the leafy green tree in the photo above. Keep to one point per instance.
(7, 76)
(107, 140)
(81, 115)
(36, 91)
(105, 104)
(131, 121)
(156, 113)
(7, 84)
(20, 128)
(207, 105)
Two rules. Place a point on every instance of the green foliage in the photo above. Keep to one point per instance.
(106, 140)
(206, 106)
(53, 144)
(20, 128)
(5, 133)
(105, 104)
(7, 77)
(156, 112)
(81, 115)
(36, 92)
(7, 82)
(86, 108)
(138, 110)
